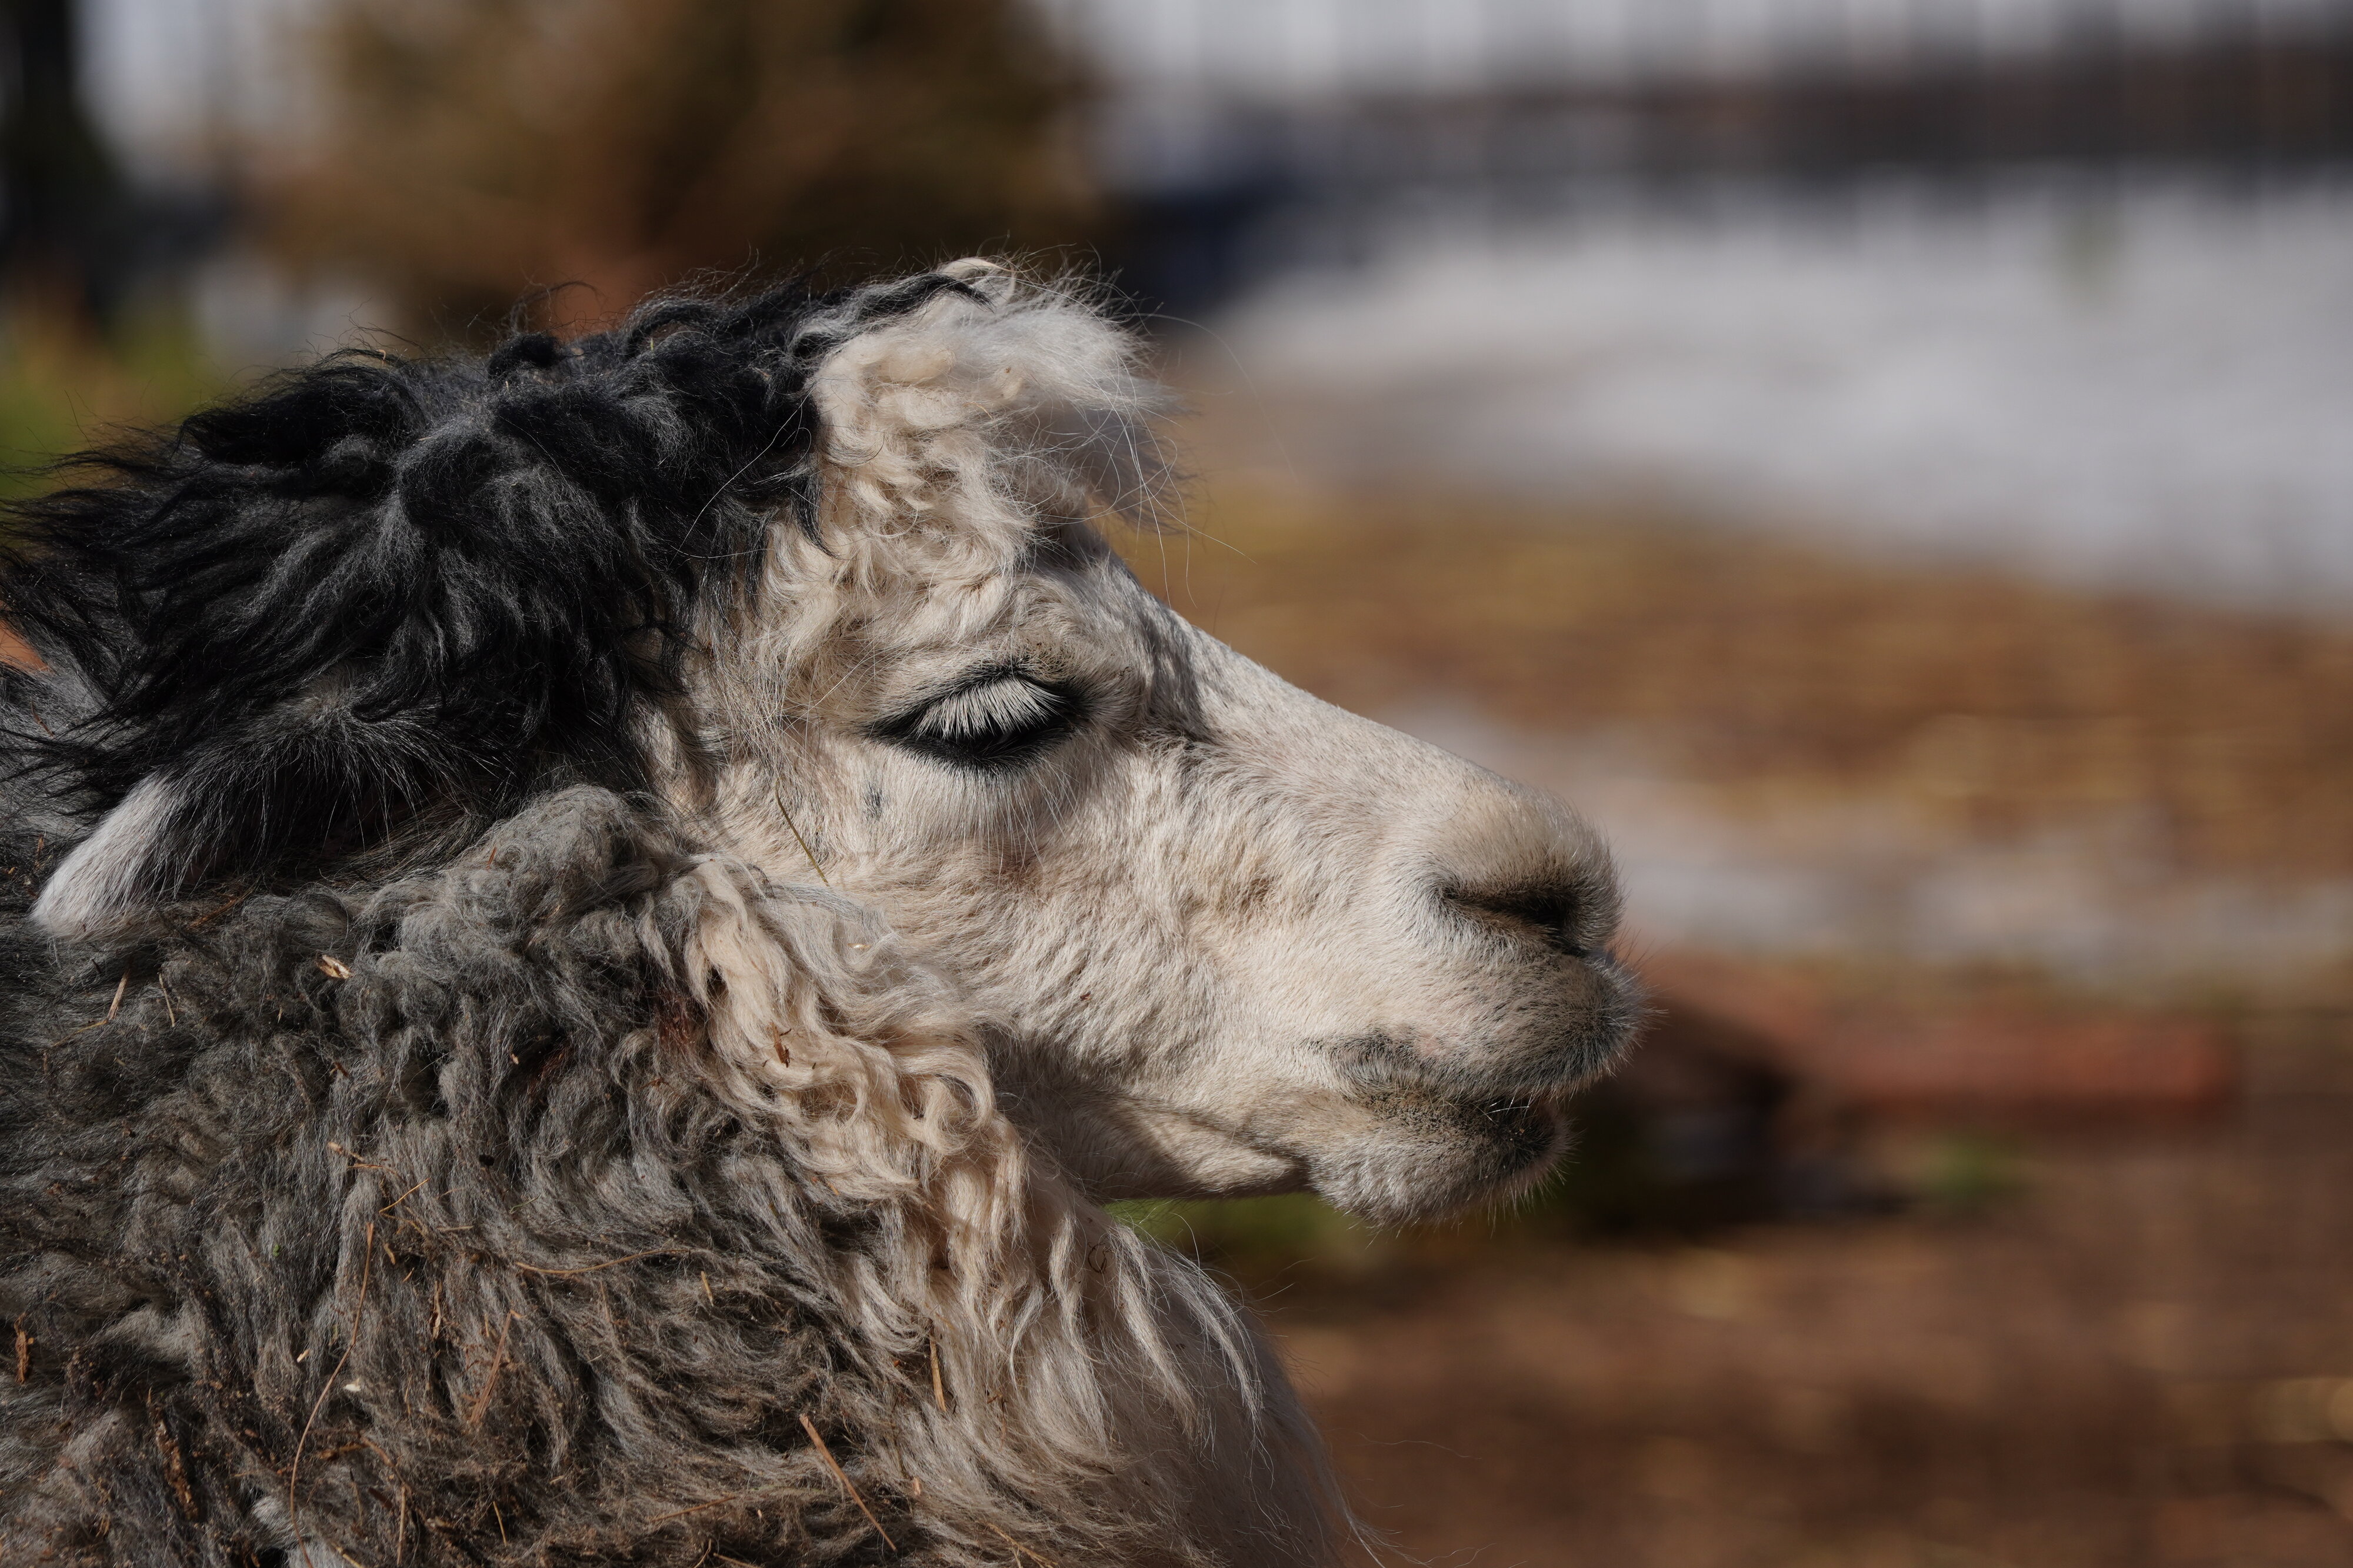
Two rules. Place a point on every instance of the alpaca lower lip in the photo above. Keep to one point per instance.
(1518, 1116)
(1380, 1064)
(1516, 1132)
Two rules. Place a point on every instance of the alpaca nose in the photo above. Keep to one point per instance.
(1515, 863)
(1545, 911)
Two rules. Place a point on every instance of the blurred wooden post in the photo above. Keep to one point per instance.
(62, 188)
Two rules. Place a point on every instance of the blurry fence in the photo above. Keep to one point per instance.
(2234, 95)
(1229, 122)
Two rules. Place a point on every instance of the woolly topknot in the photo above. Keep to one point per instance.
(380, 594)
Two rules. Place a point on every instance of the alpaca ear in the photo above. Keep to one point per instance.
(1054, 389)
(294, 785)
(132, 859)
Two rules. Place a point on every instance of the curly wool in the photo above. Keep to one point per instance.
(524, 1210)
(414, 1144)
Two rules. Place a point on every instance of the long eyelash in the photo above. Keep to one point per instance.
(997, 720)
(999, 708)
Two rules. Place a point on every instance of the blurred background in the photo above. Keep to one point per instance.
(1889, 461)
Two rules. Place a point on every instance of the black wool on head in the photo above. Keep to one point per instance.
(379, 593)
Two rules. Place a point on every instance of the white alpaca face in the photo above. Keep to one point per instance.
(1225, 939)
(1230, 939)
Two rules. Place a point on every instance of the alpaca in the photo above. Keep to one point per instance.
(590, 929)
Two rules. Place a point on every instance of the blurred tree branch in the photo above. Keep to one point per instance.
(474, 151)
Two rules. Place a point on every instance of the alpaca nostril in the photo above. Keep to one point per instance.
(1546, 914)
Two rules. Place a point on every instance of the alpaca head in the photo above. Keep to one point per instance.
(1226, 939)
(823, 576)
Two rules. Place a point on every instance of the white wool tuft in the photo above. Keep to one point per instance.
(112, 873)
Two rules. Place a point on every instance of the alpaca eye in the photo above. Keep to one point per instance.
(994, 723)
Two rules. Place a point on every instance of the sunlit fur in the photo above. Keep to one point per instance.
(533, 991)
(1218, 927)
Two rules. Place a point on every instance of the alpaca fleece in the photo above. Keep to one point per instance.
(432, 1222)
(420, 1144)
(584, 931)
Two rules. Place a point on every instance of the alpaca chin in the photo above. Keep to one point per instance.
(1425, 1157)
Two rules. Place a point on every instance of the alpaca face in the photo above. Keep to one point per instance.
(1226, 938)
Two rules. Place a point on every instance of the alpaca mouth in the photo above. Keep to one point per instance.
(1424, 1152)
(1394, 1081)
(1504, 1086)
(1474, 1133)
(1535, 1123)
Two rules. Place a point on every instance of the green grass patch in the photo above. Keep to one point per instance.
(64, 388)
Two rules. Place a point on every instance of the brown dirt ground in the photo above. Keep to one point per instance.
(2146, 1359)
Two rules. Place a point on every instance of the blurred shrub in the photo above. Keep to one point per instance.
(470, 152)
(1964, 1173)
